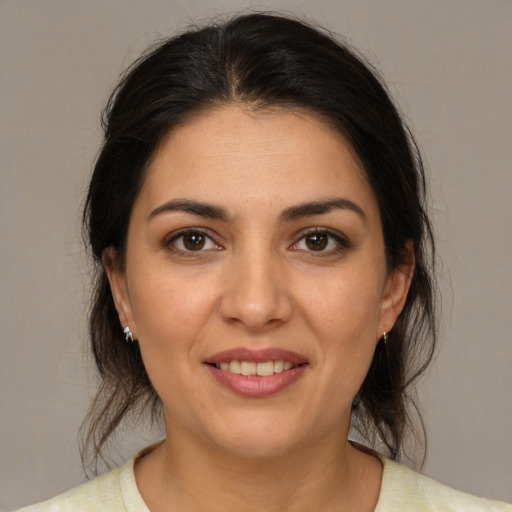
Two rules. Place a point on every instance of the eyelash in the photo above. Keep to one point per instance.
(170, 242)
(341, 242)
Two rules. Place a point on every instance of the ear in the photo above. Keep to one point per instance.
(395, 291)
(118, 287)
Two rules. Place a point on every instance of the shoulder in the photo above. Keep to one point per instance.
(115, 491)
(404, 490)
(102, 493)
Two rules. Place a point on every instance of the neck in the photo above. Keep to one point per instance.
(327, 475)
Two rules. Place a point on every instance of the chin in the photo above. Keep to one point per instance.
(261, 438)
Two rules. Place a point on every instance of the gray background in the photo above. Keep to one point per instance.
(449, 65)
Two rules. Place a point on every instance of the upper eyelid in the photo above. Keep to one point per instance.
(184, 231)
(321, 230)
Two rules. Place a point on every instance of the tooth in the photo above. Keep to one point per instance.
(234, 367)
(287, 365)
(278, 366)
(224, 366)
(247, 368)
(265, 369)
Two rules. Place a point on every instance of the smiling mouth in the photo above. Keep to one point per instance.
(251, 368)
(257, 373)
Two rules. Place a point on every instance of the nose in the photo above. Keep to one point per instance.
(255, 295)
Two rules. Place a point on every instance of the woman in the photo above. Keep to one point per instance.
(264, 278)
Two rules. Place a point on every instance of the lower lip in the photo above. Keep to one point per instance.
(255, 386)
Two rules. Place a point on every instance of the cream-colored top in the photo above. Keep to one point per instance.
(402, 490)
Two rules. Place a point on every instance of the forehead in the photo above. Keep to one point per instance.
(266, 157)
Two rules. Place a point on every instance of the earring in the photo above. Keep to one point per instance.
(128, 334)
(385, 336)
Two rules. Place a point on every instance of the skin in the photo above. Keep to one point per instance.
(257, 283)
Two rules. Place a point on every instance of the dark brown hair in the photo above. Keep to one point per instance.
(263, 61)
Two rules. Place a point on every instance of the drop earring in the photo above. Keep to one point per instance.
(128, 334)
(385, 336)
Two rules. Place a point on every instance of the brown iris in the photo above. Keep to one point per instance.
(317, 241)
(194, 241)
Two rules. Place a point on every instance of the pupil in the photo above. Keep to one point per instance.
(316, 242)
(194, 241)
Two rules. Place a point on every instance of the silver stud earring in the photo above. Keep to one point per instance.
(128, 334)
(385, 336)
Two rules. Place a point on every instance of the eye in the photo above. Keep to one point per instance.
(321, 241)
(192, 241)
(316, 241)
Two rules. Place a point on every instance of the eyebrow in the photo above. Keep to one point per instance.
(191, 206)
(290, 214)
(319, 208)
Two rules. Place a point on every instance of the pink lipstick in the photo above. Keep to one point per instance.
(257, 373)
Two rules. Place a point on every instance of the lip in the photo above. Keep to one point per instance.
(252, 385)
(256, 356)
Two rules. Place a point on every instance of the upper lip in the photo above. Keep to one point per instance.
(256, 356)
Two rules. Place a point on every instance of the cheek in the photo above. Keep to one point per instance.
(345, 305)
(170, 321)
(170, 312)
(344, 312)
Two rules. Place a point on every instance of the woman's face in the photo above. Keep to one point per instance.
(256, 281)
